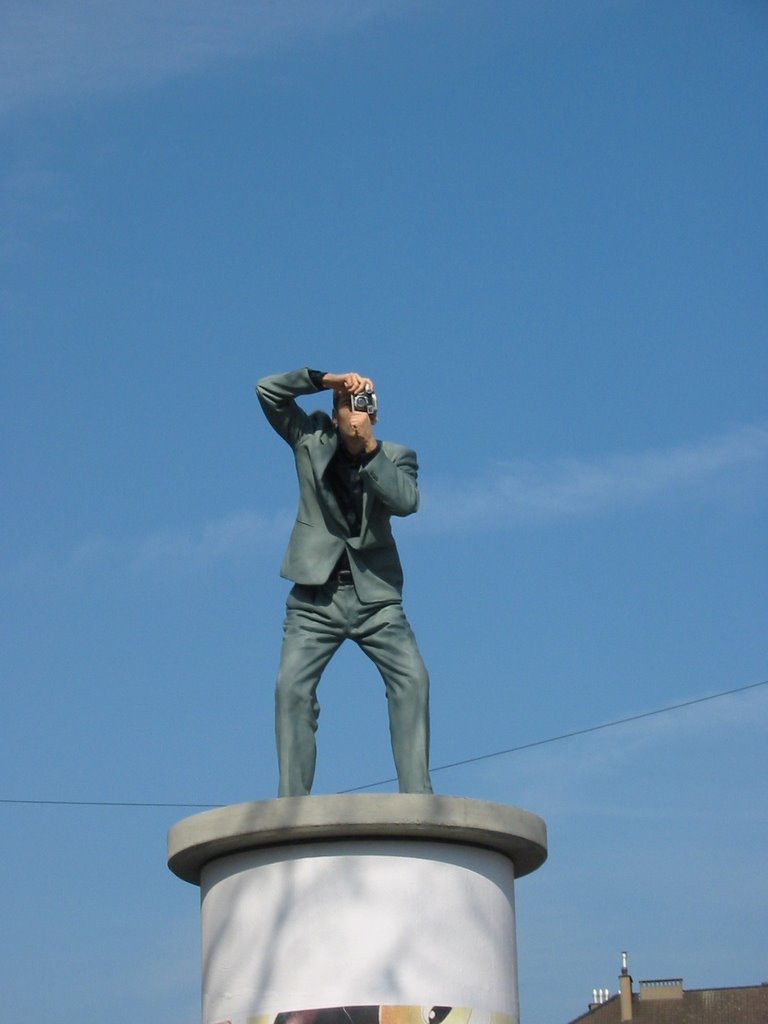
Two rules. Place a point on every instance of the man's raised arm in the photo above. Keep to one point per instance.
(347, 383)
(277, 394)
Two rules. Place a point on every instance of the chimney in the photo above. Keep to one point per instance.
(625, 990)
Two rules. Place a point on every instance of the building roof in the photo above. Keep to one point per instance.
(653, 1005)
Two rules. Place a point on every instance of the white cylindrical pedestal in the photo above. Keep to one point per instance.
(394, 909)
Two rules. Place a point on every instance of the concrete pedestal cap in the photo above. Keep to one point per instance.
(517, 834)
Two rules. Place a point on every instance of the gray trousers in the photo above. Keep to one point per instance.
(317, 621)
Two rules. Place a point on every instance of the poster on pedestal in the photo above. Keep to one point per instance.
(367, 932)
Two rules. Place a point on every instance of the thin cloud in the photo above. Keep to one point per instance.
(514, 493)
(55, 49)
(233, 538)
(562, 776)
(508, 495)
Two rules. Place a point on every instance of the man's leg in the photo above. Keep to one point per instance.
(310, 639)
(386, 637)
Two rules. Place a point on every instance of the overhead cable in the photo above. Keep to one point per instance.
(438, 768)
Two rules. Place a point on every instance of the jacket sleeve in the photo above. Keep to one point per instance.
(392, 474)
(277, 396)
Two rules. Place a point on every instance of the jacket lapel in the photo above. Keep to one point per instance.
(368, 500)
(326, 451)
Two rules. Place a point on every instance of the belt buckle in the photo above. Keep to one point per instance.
(344, 577)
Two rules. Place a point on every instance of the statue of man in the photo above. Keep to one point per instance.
(345, 569)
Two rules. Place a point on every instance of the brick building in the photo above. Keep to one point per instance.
(665, 1001)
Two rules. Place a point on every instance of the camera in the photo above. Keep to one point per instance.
(364, 402)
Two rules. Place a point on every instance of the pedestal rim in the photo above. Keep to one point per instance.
(513, 832)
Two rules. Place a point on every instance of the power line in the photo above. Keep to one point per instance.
(576, 732)
(438, 768)
(107, 803)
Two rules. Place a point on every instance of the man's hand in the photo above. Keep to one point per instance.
(362, 428)
(347, 383)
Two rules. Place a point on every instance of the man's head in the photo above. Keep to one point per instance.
(353, 426)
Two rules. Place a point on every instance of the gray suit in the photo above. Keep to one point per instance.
(321, 614)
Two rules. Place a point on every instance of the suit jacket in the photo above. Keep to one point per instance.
(320, 533)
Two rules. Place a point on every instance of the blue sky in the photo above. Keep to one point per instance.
(540, 226)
